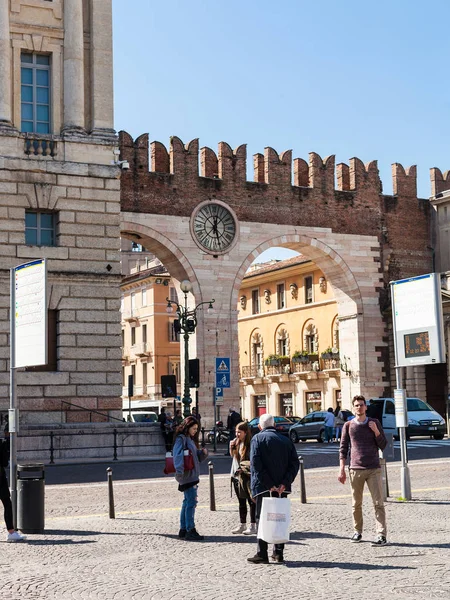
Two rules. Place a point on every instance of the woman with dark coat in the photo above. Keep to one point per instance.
(186, 441)
(240, 477)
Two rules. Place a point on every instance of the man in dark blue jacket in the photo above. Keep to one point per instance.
(274, 466)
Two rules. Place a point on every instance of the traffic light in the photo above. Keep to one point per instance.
(176, 326)
(168, 386)
(194, 372)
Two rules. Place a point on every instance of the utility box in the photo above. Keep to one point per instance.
(30, 498)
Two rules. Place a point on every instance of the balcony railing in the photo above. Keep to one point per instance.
(252, 371)
(141, 349)
(129, 315)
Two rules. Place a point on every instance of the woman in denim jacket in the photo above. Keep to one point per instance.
(187, 440)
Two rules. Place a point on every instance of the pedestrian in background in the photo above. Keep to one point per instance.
(366, 437)
(186, 439)
(329, 425)
(274, 466)
(240, 478)
(168, 431)
(5, 496)
(234, 418)
(178, 418)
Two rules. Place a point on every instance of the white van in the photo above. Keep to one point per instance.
(422, 418)
(140, 416)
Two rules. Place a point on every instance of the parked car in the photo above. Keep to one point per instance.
(282, 425)
(310, 427)
(422, 418)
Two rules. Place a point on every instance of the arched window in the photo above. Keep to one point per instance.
(310, 337)
(335, 332)
(282, 344)
(256, 351)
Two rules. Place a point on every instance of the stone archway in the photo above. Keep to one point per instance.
(220, 278)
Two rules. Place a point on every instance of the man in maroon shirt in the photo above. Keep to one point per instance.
(365, 436)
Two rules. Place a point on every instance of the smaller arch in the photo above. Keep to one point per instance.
(310, 336)
(282, 341)
(335, 332)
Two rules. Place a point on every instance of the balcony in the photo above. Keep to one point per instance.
(252, 372)
(130, 316)
(331, 365)
(142, 349)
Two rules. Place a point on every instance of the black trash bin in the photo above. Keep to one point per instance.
(30, 498)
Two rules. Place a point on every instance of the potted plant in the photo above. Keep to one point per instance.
(300, 356)
(273, 360)
(330, 353)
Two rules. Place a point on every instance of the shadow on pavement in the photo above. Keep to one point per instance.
(305, 535)
(57, 542)
(76, 532)
(317, 564)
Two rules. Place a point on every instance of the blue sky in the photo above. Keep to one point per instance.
(350, 78)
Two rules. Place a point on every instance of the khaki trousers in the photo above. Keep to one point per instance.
(358, 477)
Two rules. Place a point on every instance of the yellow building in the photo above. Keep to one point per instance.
(150, 345)
(288, 340)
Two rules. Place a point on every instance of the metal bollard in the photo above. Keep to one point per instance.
(212, 495)
(203, 437)
(112, 513)
(302, 481)
(115, 444)
(52, 448)
(384, 478)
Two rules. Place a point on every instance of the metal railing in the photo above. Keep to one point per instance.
(91, 411)
(51, 448)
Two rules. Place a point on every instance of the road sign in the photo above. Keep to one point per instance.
(219, 392)
(222, 364)
(222, 372)
(222, 380)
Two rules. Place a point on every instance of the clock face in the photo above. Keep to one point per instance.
(213, 227)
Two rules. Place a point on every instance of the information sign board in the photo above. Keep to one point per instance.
(417, 320)
(29, 299)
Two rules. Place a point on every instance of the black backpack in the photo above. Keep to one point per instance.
(4, 453)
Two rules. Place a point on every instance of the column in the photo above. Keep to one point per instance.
(73, 67)
(102, 107)
(5, 67)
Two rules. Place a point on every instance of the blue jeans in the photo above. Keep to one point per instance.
(187, 515)
(328, 434)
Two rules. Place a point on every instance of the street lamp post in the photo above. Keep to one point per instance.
(187, 323)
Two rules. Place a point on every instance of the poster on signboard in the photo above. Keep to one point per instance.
(29, 302)
(417, 320)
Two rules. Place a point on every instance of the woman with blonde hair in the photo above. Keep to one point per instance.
(240, 478)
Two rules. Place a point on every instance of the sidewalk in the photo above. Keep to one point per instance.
(137, 556)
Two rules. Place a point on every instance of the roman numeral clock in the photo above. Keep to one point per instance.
(214, 227)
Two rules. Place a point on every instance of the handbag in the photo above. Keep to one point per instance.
(275, 520)
(189, 465)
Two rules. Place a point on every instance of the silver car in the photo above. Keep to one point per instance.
(310, 427)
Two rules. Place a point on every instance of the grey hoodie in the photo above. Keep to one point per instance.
(183, 443)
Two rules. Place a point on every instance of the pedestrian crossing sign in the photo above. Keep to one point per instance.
(222, 365)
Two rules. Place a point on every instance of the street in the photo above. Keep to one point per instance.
(137, 556)
(314, 455)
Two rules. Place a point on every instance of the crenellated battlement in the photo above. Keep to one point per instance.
(277, 170)
(439, 182)
(288, 190)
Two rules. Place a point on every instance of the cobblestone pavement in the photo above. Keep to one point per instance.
(137, 556)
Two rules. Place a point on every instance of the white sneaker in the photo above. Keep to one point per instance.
(242, 527)
(15, 536)
(251, 529)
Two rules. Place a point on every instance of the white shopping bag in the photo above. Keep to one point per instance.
(275, 520)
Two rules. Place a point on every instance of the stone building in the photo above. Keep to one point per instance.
(60, 200)
(150, 343)
(288, 339)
